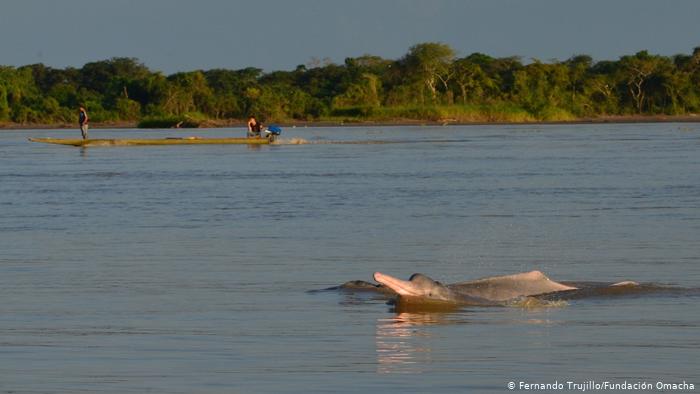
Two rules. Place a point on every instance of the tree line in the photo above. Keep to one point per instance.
(430, 82)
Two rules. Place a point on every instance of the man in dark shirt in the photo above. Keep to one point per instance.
(83, 121)
(254, 127)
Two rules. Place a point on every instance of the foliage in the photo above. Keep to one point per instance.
(187, 120)
(428, 83)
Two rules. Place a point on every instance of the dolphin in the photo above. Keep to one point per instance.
(356, 286)
(486, 291)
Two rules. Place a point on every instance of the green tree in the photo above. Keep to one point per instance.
(541, 87)
(20, 98)
(5, 77)
(579, 67)
(687, 81)
(128, 109)
(187, 92)
(429, 74)
(502, 71)
(638, 70)
(101, 76)
(151, 92)
(472, 81)
(430, 64)
(363, 93)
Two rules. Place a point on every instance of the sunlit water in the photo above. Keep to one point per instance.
(184, 269)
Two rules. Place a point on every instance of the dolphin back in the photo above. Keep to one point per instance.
(502, 288)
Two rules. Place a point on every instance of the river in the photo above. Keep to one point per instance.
(183, 269)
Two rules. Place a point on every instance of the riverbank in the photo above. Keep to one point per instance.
(228, 123)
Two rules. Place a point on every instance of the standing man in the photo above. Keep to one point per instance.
(83, 120)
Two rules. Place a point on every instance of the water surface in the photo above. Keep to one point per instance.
(183, 269)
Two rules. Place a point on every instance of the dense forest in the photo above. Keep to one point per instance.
(428, 83)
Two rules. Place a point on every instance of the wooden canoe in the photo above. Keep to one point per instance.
(161, 141)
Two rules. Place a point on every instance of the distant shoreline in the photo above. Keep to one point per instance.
(398, 122)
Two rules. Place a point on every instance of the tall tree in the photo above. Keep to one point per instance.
(638, 70)
(430, 62)
(579, 67)
(471, 79)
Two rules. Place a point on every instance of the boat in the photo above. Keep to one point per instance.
(161, 141)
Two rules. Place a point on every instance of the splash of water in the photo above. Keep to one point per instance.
(536, 303)
(291, 141)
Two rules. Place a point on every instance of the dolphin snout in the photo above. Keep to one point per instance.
(383, 278)
(401, 287)
(377, 276)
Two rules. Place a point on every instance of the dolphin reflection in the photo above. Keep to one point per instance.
(403, 344)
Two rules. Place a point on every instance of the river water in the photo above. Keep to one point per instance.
(184, 269)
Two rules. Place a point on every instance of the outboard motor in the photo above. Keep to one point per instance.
(272, 131)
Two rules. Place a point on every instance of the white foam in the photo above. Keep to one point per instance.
(291, 141)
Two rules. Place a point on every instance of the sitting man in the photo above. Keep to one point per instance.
(254, 127)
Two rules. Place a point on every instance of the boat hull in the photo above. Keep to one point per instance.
(151, 142)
